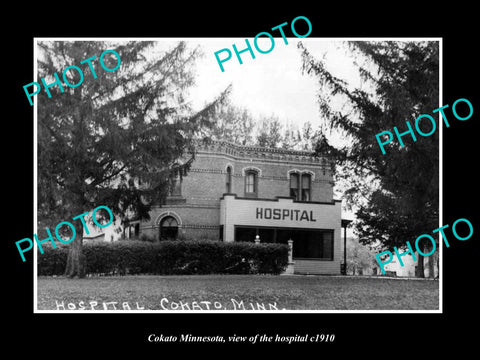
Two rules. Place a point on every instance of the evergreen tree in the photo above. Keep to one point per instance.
(114, 140)
(396, 195)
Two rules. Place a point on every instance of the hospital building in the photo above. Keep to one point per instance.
(242, 193)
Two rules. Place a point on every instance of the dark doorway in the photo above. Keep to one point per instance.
(168, 228)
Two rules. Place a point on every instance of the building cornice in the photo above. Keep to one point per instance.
(258, 152)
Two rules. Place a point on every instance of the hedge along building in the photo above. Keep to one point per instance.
(236, 193)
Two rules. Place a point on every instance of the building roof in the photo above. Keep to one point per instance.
(259, 152)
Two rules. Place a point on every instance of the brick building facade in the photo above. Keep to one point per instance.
(236, 193)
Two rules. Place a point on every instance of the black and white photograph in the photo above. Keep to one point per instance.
(263, 182)
(294, 180)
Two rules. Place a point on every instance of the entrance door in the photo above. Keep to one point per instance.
(168, 228)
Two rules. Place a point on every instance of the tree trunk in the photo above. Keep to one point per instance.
(419, 269)
(431, 266)
(76, 259)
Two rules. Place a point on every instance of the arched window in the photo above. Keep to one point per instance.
(228, 180)
(306, 185)
(251, 185)
(168, 228)
(294, 185)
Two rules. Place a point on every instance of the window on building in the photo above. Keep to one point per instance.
(249, 234)
(306, 184)
(294, 183)
(176, 186)
(251, 183)
(228, 180)
(168, 228)
(307, 244)
(312, 244)
(245, 233)
(300, 186)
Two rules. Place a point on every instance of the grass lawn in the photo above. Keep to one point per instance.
(236, 292)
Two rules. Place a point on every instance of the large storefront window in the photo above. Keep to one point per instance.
(311, 244)
(307, 244)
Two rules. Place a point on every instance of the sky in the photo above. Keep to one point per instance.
(270, 84)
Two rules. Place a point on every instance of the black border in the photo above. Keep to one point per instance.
(366, 334)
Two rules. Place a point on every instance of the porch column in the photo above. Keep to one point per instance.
(290, 251)
(343, 267)
(290, 267)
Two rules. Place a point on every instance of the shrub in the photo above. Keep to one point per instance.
(145, 237)
(171, 258)
(121, 257)
(52, 261)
